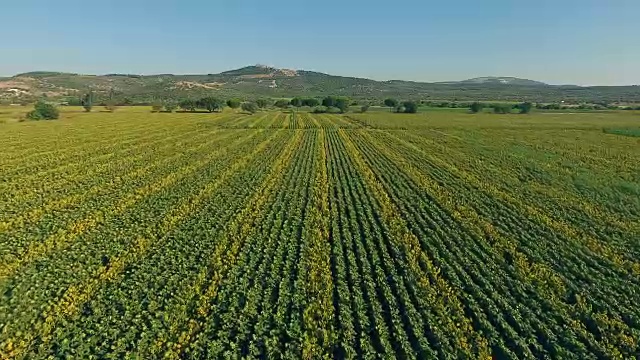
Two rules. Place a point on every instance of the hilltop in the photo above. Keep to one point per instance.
(499, 80)
(265, 81)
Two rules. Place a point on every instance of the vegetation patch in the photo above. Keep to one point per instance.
(635, 132)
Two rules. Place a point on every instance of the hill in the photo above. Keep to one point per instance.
(264, 81)
(503, 80)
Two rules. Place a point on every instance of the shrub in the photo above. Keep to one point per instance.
(170, 106)
(262, 103)
(551, 107)
(249, 107)
(525, 107)
(342, 104)
(476, 107)
(311, 102)
(296, 101)
(502, 108)
(234, 103)
(282, 104)
(72, 101)
(407, 107)
(364, 108)
(329, 101)
(87, 101)
(156, 106)
(43, 111)
(110, 106)
(391, 103)
(320, 109)
(410, 107)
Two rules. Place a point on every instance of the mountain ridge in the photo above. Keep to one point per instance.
(499, 80)
(266, 81)
(271, 70)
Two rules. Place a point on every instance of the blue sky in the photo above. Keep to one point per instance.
(558, 41)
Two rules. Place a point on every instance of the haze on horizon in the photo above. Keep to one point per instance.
(558, 42)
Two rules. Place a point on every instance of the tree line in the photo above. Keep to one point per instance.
(408, 107)
(213, 104)
(329, 104)
(523, 108)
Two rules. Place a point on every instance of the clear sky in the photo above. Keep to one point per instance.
(557, 41)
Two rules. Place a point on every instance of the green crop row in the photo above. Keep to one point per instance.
(298, 235)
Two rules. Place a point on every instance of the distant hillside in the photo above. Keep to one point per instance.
(264, 81)
(505, 80)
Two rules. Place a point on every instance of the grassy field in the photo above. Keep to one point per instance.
(435, 235)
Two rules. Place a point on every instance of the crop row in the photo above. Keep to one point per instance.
(96, 248)
(532, 260)
(298, 235)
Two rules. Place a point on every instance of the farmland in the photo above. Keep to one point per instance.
(280, 235)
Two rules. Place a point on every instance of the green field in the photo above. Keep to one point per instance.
(377, 235)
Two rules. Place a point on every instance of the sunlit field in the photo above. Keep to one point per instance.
(288, 235)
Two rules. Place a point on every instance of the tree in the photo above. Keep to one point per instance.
(170, 106)
(234, 103)
(502, 108)
(364, 108)
(296, 101)
(43, 111)
(187, 105)
(249, 107)
(87, 101)
(156, 106)
(211, 104)
(342, 103)
(476, 107)
(310, 102)
(329, 101)
(262, 103)
(282, 104)
(410, 107)
(391, 103)
(525, 107)
(110, 104)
